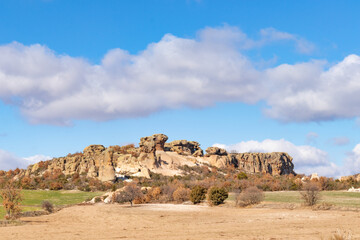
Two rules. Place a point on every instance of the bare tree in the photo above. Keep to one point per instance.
(129, 193)
(310, 193)
(250, 196)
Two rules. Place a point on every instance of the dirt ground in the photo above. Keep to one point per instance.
(168, 221)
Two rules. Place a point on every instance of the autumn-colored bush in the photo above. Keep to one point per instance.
(25, 182)
(181, 194)
(11, 200)
(153, 194)
(56, 186)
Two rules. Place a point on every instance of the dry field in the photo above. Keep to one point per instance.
(168, 221)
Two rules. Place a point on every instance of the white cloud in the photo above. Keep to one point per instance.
(352, 162)
(311, 137)
(306, 159)
(307, 92)
(272, 35)
(10, 161)
(340, 141)
(173, 73)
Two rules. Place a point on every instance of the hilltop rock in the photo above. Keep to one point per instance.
(184, 147)
(215, 151)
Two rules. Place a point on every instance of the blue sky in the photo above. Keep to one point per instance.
(246, 75)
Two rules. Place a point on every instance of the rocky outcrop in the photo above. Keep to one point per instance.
(155, 155)
(216, 151)
(351, 178)
(184, 147)
(276, 163)
(218, 157)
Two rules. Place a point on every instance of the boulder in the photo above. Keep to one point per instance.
(160, 140)
(94, 150)
(314, 177)
(216, 151)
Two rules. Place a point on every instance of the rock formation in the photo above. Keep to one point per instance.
(155, 155)
(184, 147)
(276, 163)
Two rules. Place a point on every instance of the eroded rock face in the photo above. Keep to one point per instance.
(184, 147)
(276, 163)
(155, 155)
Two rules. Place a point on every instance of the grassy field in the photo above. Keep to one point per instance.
(32, 199)
(337, 198)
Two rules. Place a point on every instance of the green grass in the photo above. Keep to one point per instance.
(338, 198)
(32, 199)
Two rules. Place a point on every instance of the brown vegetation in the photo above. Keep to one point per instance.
(250, 196)
(11, 199)
(310, 193)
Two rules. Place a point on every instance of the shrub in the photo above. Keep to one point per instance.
(217, 195)
(47, 206)
(250, 196)
(167, 193)
(310, 193)
(129, 194)
(56, 186)
(198, 193)
(11, 199)
(153, 194)
(181, 194)
(242, 176)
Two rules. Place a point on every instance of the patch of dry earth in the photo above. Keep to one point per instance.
(170, 221)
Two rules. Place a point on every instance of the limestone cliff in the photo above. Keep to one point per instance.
(155, 155)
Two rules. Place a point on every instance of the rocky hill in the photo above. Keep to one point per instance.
(155, 155)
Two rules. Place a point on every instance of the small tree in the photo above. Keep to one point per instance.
(47, 206)
(310, 193)
(217, 195)
(11, 199)
(250, 196)
(129, 193)
(198, 193)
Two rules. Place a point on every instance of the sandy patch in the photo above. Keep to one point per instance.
(171, 221)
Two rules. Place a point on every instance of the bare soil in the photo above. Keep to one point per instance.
(170, 221)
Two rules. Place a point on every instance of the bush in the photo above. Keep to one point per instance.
(217, 195)
(47, 206)
(242, 176)
(198, 193)
(167, 193)
(11, 198)
(310, 193)
(129, 194)
(250, 196)
(181, 194)
(56, 186)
